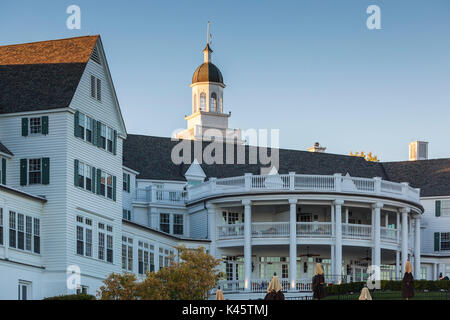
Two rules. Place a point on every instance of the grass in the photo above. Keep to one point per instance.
(393, 295)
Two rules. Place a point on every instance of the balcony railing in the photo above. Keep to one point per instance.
(260, 285)
(155, 195)
(305, 230)
(270, 229)
(356, 231)
(314, 229)
(389, 234)
(299, 182)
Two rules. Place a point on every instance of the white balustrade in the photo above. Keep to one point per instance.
(388, 234)
(270, 229)
(230, 231)
(284, 182)
(314, 229)
(356, 231)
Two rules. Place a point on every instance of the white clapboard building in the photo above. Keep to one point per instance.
(80, 195)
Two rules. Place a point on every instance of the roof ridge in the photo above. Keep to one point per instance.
(53, 40)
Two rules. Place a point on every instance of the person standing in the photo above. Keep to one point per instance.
(318, 282)
(408, 282)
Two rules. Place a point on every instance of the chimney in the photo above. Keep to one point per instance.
(418, 150)
(317, 148)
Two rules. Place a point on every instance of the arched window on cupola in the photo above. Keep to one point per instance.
(221, 104)
(213, 103)
(202, 101)
(195, 103)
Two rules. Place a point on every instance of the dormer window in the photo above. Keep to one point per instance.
(213, 103)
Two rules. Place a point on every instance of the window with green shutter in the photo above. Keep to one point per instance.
(24, 127)
(114, 187)
(75, 173)
(99, 181)
(437, 241)
(44, 122)
(93, 173)
(438, 208)
(45, 170)
(76, 127)
(115, 142)
(23, 172)
(3, 171)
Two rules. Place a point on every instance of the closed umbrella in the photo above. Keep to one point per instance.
(219, 295)
(274, 289)
(365, 294)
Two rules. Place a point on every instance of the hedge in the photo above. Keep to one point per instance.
(386, 285)
(81, 296)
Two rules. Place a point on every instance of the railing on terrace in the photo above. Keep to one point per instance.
(356, 231)
(389, 234)
(156, 195)
(230, 231)
(270, 229)
(314, 229)
(300, 182)
(261, 285)
(283, 182)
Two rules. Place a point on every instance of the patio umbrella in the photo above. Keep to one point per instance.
(365, 294)
(219, 295)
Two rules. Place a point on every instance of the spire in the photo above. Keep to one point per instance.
(207, 51)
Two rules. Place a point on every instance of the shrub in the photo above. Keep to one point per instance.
(81, 296)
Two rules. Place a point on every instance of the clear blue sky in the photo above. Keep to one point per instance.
(309, 68)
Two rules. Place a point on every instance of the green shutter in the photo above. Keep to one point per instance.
(23, 172)
(99, 134)
(76, 120)
(437, 241)
(99, 180)
(114, 187)
(75, 172)
(24, 127)
(3, 177)
(44, 121)
(94, 132)
(128, 182)
(438, 208)
(115, 142)
(93, 179)
(45, 170)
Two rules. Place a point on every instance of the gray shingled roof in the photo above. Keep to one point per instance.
(431, 176)
(38, 87)
(4, 149)
(42, 75)
(151, 157)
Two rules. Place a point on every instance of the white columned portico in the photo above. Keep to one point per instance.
(376, 209)
(247, 244)
(417, 248)
(338, 251)
(404, 212)
(293, 242)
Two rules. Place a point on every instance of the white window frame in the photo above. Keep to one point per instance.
(25, 284)
(35, 124)
(36, 162)
(445, 208)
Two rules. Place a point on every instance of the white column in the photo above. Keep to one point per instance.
(338, 251)
(333, 261)
(398, 227)
(417, 248)
(293, 242)
(405, 212)
(376, 209)
(346, 215)
(435, 274)
(247, 244)
(386, 219)
(397, 265)
(6, 229)
(212, 228)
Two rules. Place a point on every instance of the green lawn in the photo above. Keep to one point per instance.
(393, 295)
